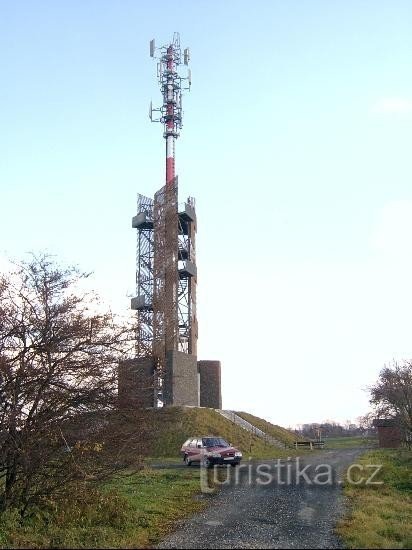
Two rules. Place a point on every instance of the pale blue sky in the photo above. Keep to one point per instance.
(296, 146)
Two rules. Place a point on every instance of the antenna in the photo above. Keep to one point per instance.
(171, 82)
(186, 56)
(189, 76)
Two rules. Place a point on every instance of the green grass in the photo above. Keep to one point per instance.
(350, 442)
(173, 425)
(381, 515)
(282, 434)
(131, 511)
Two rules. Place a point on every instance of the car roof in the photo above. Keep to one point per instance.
(205, 436)
(191, 438)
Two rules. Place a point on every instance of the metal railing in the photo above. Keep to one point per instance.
(236, 419)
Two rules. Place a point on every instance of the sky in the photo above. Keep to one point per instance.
(296, 146)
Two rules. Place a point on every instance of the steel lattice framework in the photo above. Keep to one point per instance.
(186, 298)
(144, 276)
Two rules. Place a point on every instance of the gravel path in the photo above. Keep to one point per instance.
(289, 511)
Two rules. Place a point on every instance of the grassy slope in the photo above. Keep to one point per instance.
(381, 515)
(271, 429)
(173, 425)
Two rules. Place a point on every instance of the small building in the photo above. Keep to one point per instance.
(389, 432)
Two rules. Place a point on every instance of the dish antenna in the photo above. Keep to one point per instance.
(152, 48)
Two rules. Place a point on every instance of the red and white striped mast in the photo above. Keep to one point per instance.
(171, 86)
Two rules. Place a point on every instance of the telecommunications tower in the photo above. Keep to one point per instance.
(166, 262)
(165, 370)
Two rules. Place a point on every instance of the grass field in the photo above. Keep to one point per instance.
(132, 511)
(350, 442)
(381, 515)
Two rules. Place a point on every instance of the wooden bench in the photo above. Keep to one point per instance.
(311, 444)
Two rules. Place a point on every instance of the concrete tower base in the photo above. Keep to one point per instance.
(181, 379)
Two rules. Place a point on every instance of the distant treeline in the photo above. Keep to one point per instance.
(332, 429)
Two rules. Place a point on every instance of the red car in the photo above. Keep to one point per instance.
(210, 450)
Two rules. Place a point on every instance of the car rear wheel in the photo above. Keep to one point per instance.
(187, 461)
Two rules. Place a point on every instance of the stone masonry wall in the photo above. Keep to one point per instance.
(136, 383)
(210, 384)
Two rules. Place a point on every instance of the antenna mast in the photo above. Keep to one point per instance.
(171, 85)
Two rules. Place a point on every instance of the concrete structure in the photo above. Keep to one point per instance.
(136, 386)
(210, 384)
(389, 433)
(181, 379)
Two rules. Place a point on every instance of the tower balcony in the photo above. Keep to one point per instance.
(187, 270)
(142, 221)
(140, 303)
(187, 213)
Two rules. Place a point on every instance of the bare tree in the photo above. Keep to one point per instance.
(58, 376)
(365, 422)
(391, 396)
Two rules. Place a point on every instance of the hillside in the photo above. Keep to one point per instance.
(282, 434)
(173, 425)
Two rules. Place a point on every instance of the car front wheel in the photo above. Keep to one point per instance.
(207, 463)
(187, 461)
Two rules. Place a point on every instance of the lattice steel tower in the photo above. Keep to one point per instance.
(166, 262)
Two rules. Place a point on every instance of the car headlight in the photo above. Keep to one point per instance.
(238, 454)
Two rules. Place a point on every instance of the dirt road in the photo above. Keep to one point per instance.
(270, 504)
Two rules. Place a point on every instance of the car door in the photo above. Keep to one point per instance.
(192, 449)
(184, 449)
(198, 449)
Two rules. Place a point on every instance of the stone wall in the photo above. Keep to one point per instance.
(136, 383)
(210, 384)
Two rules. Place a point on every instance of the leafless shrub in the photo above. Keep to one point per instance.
(59, 355)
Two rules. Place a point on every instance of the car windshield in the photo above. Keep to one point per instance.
(214, 442)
